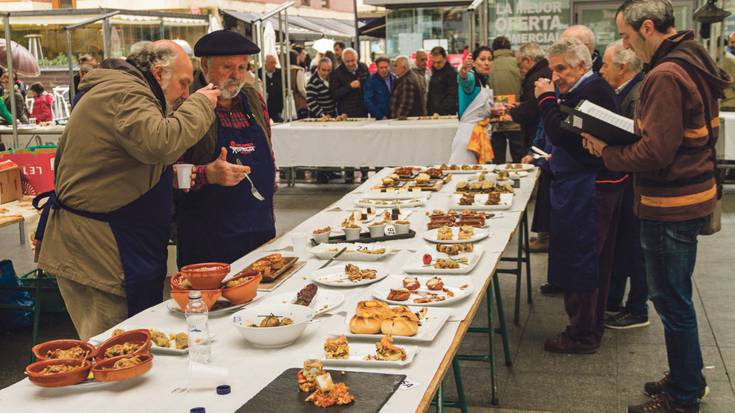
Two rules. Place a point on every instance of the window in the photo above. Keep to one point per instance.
(306, 3)
(325, 4)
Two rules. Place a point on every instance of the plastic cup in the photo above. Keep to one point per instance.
(32, 121)
(183, 174)
(207, 376)
(300, 241)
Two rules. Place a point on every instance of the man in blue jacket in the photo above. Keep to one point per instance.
(377, 90)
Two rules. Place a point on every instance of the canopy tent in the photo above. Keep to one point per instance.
(374, 28)
(302, 28)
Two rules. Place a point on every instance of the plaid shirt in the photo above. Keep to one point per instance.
(407, 98)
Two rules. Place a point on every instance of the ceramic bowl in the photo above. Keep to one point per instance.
(377, 231)
(205, 276)
(141, 337)
(352, 234)
(103, 370)
(41, 350)
(67, 378)
(208, 296)
(321, 238)
(402, 229)
(272, 337)
(243, 292)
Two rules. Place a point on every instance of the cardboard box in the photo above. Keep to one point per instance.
(10, 185)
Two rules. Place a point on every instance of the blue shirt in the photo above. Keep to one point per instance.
(469, 88)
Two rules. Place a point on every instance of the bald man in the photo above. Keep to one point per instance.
(104, 231)
(585, 35)
(273, 88)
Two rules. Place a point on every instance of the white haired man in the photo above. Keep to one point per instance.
(585, 199)
(346, 84)
(407, 98)
(586, 36)
(105, 230)
(621, 68)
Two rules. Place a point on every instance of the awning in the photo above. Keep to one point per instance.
(374, 28)
(307, 28)
(67, 17)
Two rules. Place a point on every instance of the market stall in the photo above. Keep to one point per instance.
(248, 369)
(363, 143)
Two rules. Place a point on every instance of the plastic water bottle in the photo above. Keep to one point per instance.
(197, 315)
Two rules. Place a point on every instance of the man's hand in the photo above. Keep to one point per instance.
(466, 66)
(355, 84)
(542, 86)
(527, 159)
(593, 145)
(211, 93)
(223, 173)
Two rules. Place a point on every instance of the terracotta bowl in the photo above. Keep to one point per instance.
(176, 282)
(142, 337)
(68, 378)
(244, 292)
(103, 370)
(205, 276)
(208, 296)
(40, 350)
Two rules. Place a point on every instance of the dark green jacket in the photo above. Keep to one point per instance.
(505, 79)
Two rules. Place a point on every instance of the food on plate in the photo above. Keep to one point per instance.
(486, 185)
(125, 362)
(122, 349)
(57, 368)
(411, 283)
(447, 263)
(466, 232)
(404, 171)
(502, 174)
(493, 198)
(181, 340)
(403, 322)
(159, 338)
(306, 295)
(354, 273)
(337, 348)
(423, 179)
(76, 352)
(307, 376)
(462, 185)
(435, 284)
(452, 218)
(117, 332)
(328, 394)
(266, 266)
(276, 260)
(239, 281)
(454, 249)
(361, 250)
(387, 351)
(368, 316)
(426, 259)
(514, 166)
(272, 320)
(444, 234)
(475, 186)
(467, 199)
(434, 173)
(324, 230)
(388, 181)
(399, 294)
(403, 222)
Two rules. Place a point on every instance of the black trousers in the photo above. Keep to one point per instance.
(542, 208)
(500, 141)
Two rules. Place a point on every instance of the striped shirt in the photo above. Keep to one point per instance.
(318, 98)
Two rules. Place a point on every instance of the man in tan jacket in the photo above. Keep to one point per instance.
(104, 231)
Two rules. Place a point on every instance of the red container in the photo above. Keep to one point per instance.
(141, 337)
(244, 292)
(67, 378)
(103, 370)
(40, 350)
(208, 296)
(205, 276)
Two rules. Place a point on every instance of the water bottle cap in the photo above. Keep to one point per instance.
(223, 389)
(195, 294)
(197, 410)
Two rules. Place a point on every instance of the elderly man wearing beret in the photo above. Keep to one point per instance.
(220, 220)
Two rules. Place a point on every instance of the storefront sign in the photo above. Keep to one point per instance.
(524, 21)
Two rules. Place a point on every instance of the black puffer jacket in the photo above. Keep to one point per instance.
(349, 100)
(527, 112)
(442, 98)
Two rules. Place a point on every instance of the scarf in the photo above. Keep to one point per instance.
(479, 142)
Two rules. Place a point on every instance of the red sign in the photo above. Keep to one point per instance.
(37, 167)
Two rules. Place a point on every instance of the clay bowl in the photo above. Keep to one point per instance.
(244, 292)
(208, 296)
(103, 370)
(176, 282)
(142, 337)
(205, 276)
(67, 378)
(40, 350)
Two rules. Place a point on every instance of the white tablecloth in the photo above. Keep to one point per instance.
(251, 369)
(370, 143)
(27, 136)
(726, 143)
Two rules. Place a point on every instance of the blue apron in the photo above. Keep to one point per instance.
(141, 229)
(219, 223)
(573, 261)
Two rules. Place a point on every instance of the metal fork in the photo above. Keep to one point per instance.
(253, 189)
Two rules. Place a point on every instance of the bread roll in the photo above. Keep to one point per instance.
(399, 326)
(365, 325)
(373, 308)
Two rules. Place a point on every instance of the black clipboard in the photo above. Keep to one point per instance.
(578, 122)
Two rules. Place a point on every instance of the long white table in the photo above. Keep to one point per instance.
(251, 369)
(364, 143)
(32, 136)
(726, 143)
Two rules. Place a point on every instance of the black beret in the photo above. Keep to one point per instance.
(224, 43)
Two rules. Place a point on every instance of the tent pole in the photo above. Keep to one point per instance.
(11, 80)
(106, 37)
(70, 58)
(288, 62)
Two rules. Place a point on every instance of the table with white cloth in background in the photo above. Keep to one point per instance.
(32, 135)
(363, 143)
(726, 143)
(22, 213)
(251, 369)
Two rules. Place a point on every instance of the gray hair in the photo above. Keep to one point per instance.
(622, 56)
(573, 50)
(532, 51)
(403, 59)
(660, 12)
(151, 55)
(350, 50)
(583, 33)
(138, 46)
(324, 60)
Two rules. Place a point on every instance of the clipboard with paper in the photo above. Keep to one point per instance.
(600, 122)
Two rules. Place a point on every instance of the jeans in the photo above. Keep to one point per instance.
(670, 251)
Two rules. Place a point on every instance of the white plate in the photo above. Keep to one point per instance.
(393, 195)
(506, 202)
(526, 167)
(358, 351)
(430, 325)
(388, 203)
(488, 167)
(334, 275)
(99, 339)
(415, 263)
(478, 235)
(174, 308)
(324, 301)
(381, 291)
(327, 251)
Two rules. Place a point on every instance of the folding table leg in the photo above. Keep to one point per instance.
(462, 401)
(518, 271)
(22, 231)
(440, 399)
(527, 258)
(501, 319)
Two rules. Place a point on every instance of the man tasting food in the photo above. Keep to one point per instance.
(220, 220)
(107, 225)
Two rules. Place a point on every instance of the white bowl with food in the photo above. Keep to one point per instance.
(272, 325)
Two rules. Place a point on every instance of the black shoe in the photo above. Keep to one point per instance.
(656, 388)
(549, 289)
(626, 320)
(614, 309)
(565, 345)
(663, 404)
